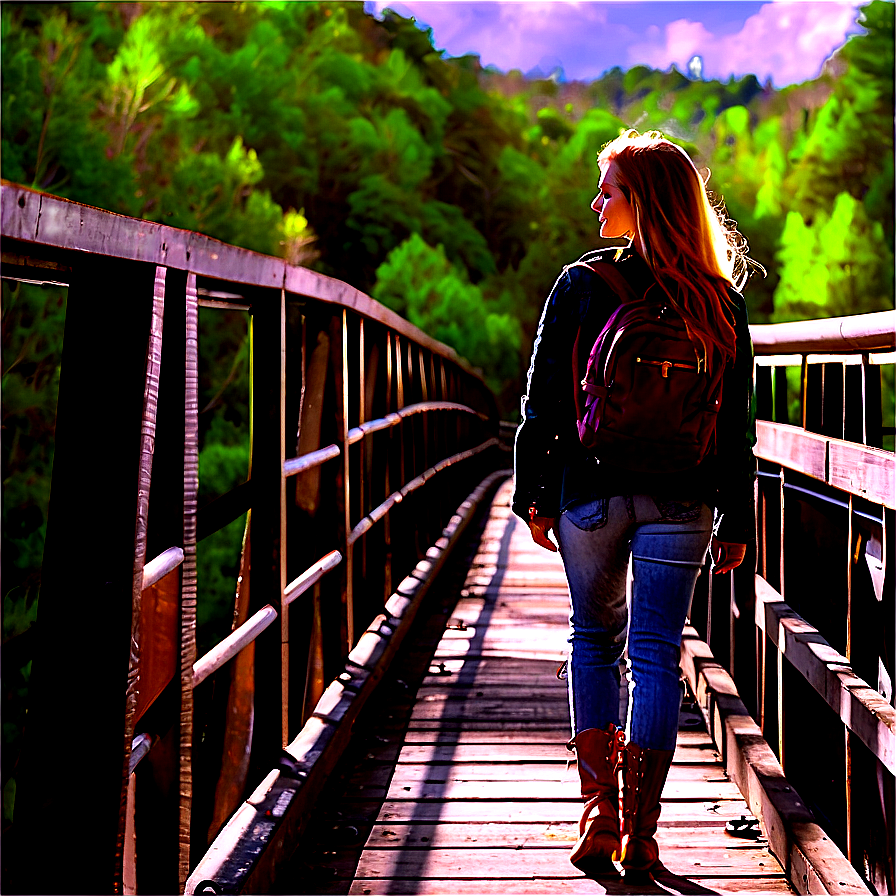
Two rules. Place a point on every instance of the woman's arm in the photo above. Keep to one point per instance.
(548, 408)
(735, 438)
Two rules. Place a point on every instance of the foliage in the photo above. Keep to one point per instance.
(312, 131)
(831, 267)
(420, 283)
(33, 321)
(32, 326)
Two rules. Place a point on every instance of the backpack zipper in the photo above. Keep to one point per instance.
(665, 365)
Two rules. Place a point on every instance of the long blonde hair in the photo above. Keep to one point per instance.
(693, 252)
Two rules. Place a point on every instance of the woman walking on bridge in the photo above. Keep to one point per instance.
(636, 442)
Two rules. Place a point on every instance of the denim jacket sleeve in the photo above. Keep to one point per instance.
(735, 438)
(548, 407)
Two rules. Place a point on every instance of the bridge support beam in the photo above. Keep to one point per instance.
(70, 781)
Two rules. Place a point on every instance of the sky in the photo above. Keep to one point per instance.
(784, 40)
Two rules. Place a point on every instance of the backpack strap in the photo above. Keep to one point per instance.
(607, 271)
(586, 336)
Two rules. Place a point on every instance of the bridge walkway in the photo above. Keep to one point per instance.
(459, 781)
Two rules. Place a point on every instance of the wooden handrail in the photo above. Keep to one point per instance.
(41, 218)
(861, 708)
(860, 332)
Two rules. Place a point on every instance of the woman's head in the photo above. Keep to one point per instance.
(686, 242)
(617, 217)
(674, 218)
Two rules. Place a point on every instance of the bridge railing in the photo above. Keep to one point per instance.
(365, 436)
(809, 638)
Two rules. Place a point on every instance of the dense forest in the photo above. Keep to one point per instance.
(451, 193)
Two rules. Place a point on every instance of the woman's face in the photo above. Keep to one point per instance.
(617, 218)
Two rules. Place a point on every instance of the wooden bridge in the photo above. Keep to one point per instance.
(385, 715)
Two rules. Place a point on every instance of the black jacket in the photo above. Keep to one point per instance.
(553, 470)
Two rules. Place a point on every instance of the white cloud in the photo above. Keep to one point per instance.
(787, 41)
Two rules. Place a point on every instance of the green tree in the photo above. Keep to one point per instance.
(420, 283)
(831, 267)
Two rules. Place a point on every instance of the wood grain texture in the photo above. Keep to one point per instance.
(45, 220)
(863, 710)
(189, 584)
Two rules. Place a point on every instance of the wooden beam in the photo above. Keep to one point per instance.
(812, 861)
(862, 709)
(867, 472)
(792, 447)
(189, 576)
(45, 220)
(268, 520)
(834, 334)
(859, 470)
(80, 669)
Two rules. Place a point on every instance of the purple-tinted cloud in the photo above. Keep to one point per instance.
(787, 41)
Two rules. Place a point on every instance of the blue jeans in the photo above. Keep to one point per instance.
(667, 541)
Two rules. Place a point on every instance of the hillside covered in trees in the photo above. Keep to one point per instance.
(452, 193)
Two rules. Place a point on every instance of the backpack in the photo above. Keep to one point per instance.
(645, 402)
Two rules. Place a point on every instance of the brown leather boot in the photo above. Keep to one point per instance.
(644, 773)
(597, 758)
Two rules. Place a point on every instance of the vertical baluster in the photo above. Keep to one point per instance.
(781, 410)
(399, 374)
(188, 576)
(423, 428)
(267, 346)
(758, 634)
(402, 427)
(765, 405)
(872, 404)
(812, 388)
(779, 655)
(316, 366)
(387, 467)
(363, 504)
(346, 498)
(854, 409)
(147, 446)
(849, 651)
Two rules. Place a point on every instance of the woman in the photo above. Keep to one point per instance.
(602, 514)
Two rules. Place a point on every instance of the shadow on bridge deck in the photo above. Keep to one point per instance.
(458, 780)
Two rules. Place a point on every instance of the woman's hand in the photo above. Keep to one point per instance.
(540, 526)
(726, 555)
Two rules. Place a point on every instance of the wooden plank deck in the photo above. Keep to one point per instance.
(466, 786)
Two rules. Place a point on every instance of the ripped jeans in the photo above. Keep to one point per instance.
(667, 541)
